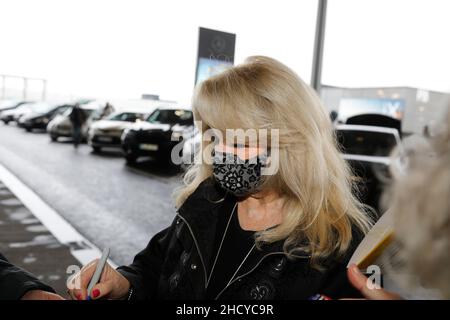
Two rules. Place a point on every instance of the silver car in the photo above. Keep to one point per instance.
(61, 126)
(106, 133)
(15, 114)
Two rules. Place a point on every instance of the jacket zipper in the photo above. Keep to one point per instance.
(246, 274)
(198, 248)
(237, 278)
(253, 269)
(220, 247)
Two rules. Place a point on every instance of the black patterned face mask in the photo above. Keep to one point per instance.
(237, 176)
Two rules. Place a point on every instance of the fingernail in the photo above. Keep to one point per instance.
(88, 298)
(95, 293)
(78, 296)
(354, 268)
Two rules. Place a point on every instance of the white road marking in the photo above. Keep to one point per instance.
(81, 248)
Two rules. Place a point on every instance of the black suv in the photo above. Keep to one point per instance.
(39, 118)
(164, 129)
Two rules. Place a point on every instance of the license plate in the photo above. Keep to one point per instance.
(105, 139)
(148, 147)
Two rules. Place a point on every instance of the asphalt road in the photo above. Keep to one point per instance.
(26, 243)
(108, 202)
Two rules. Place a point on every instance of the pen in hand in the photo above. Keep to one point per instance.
(98, 272)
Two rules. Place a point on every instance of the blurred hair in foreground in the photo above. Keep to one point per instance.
(421, 213)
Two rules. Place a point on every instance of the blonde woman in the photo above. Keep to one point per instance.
(242, 234)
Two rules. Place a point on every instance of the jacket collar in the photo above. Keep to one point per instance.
(201, 211)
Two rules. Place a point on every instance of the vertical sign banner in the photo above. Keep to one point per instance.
(215, 53)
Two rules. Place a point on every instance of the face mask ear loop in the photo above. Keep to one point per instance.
(267, 155)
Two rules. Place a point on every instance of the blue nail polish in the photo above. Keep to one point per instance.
(88, 298)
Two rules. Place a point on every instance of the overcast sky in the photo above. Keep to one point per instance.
(121, 49)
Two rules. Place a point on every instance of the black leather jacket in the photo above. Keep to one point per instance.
(176, 262)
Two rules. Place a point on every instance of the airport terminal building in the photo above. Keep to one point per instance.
(415, 108)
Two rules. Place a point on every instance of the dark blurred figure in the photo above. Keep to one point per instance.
(333, 115)
(77, 118)
(107, 110)
(426, 132)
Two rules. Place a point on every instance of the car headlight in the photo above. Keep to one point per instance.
(42, 120)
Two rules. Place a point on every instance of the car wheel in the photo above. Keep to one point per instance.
(54, 138)
(96, 149)
(6, 122)
(28, 129)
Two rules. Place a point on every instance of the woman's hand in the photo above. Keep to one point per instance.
(360, 282)
(112, 284)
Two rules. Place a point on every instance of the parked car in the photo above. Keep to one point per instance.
(165, 128)
(61, 126)
(13, 115)
(40, 115)
(10, 104)
(107, 132)
(368, 150)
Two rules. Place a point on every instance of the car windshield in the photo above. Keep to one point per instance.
(126, 116)
(60, 109)
(87, 112)
(366, 143)
(7, 104)
(68, 111)
(42, 107)
(173, 116)
(25, 107)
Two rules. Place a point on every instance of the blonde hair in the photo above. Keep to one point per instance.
(320, 209)
(421, 212)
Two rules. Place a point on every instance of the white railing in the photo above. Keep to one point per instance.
(21, 87)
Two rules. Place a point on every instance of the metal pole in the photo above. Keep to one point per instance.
(316, 77)
(25, 80)
(3, 87)
(44, 90)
